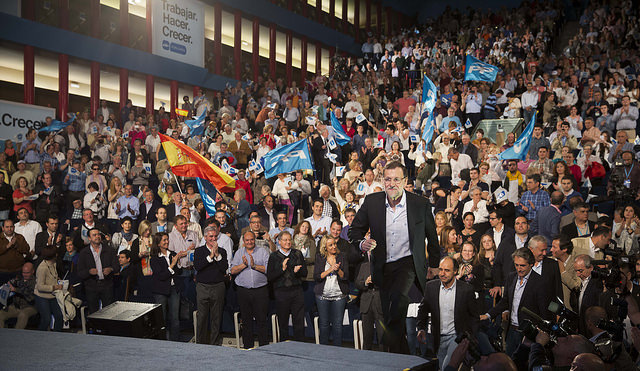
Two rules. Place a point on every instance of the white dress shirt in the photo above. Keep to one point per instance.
(463, 162)
(583, 288)
(447, 300)
(517, 296)
(397, 237)
(29, 231)
(497, 236)
(323, 223)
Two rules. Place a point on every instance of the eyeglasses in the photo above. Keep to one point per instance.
(394, 180)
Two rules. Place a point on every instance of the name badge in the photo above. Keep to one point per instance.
(627, 183)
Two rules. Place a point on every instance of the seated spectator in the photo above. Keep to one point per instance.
(21, 305)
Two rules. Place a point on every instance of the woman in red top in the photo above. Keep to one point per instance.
(20, 194)
(268, 135)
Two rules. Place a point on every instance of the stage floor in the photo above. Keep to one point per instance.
(35, 350)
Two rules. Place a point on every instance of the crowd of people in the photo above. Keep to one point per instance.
(95, 208)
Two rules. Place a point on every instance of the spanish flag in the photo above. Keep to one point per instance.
(185, 161)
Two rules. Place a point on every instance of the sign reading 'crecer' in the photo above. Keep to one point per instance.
(178, 30)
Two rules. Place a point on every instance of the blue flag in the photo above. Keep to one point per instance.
(196, 127)
(57, 125)
(521, 146)
(288, 158)
(429, 94)
(341, 136)
(208, 194)
(429, 128)
(477, 70)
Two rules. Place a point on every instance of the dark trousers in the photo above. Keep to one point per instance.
(290, 300)
(394, 296)
(254, 303)
(46, 308)
(210, 304)
(100, 291)
(171, 311)
(514, 338)
(371, 317)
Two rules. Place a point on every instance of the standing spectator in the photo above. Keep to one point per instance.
(6, 197)
(331, 289)
(96, 264)
(128, 204)
(166, 289)
(285, 270)
(529, 102)
(13, 248)
(249, 266)
(533, 199)
(625, 118)
(240, 150)
(211, 263)
(547, 220)
(46, 284)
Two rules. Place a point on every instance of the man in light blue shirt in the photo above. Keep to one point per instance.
(281, 226)
(451, 116)
(128, 205)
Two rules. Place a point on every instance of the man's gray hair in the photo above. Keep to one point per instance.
(536, 240)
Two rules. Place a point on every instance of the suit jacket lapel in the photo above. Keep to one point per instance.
(411, 219)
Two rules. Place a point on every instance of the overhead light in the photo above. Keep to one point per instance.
(74, 84)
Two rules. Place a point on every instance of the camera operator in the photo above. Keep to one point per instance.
(492, 362)
(617, 300)
(611, 352)
(624, 181)
(589, 290)
(563, 352)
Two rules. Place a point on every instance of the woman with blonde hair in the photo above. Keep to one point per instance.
(441, 222)
(331, 274)
(140, 257)
(449, 242)
(116, 190)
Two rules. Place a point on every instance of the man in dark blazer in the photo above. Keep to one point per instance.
(468, 148)
(588, 293)
(398, 253)
(581, 225)
(267, 212)
(451, 304)
(97, 272)
(505, 239)
(149, 206)
(546, 267)
(547, 220)
(527, 287)
(51, 237)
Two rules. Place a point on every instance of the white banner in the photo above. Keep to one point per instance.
(178, 30)
(18, 118)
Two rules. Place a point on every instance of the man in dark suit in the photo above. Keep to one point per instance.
(51, 238)
(451, 304)
(174, 207)
(526, 289)
(581, 226)
(588, 294)
(80, 236)
(504, 237)
(397, 242)
(96, 265)
(319, 150)
(467, 148)
(370, 306)
(547, 220)
(149, 207)
(546, 267)
(268, 213)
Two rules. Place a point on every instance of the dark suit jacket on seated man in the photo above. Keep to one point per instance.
(397, 242)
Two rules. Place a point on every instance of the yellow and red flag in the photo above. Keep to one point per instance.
(185, 161)
(182, 112)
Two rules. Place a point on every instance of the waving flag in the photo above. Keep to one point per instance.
(57, 125)
(521, 146)
(429, 94)
(185, 161)
(429, 128)
(196, 127)
(477, 70)
(288, 158)
(341, 136)
(208, 194)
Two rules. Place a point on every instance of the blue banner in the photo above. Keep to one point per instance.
(429, 128)
(196, 127)
(477, 70)
(429, 94)
(341, 136)
(57, 125)
(521, 146)
(208, 194)
(292, 157)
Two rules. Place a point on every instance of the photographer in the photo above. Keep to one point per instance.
(612, 352)
(589, 290)
(563, 352)
(624, 181)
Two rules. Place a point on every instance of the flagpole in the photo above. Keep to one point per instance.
(177, 182)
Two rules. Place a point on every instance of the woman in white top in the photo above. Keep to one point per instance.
(262, 149)
(575, 120)
(281, 190)
(214, 147)
(477, 206)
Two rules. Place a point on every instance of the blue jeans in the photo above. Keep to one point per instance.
(331, 313)
(46, 308)
(171, 311)
(447, 346)
(416, 348)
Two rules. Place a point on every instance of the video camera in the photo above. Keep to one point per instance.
(473, 351)
(565, 326)
(621, 194)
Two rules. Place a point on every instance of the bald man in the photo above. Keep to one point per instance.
(587, 362)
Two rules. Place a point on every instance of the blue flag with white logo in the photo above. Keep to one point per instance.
(429, 128)
(477, 70)
(429, 94)
(520, 148)
(196, 126)
(208, 194)
(288, 158)
(57, 125)
(341, 136)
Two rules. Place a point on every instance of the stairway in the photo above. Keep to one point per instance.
(569, 30)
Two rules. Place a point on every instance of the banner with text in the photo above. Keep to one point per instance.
(178, 30)
(18, 118)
